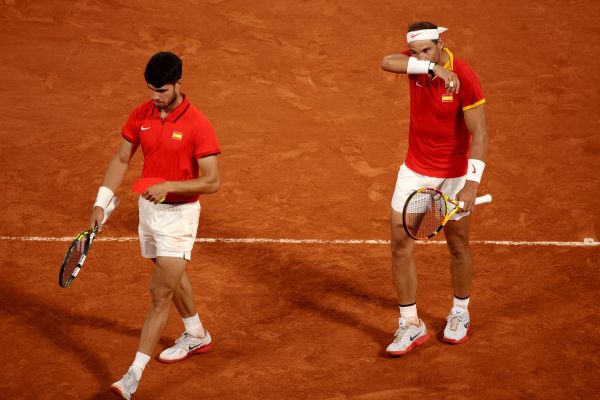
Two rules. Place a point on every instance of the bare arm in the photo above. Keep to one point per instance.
(475, 120)
(398, 64)
(117, 167)
(207, 183)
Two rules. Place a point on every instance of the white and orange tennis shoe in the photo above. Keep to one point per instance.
(128, 384)
(407, 338)
(458, 325)
(185, 346)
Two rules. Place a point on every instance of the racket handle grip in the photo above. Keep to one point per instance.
(486, 198)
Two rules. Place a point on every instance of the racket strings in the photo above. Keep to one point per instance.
(73, 258)
(424, 213)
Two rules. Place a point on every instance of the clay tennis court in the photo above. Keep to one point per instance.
(312, 133)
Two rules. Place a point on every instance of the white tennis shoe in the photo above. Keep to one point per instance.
(127, 385)
(407, 338)
(185, 346)
(458, 325)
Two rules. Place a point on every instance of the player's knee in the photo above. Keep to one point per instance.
(458, 247)
(401, 248)
(161, 298)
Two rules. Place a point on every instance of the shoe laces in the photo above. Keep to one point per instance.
(402, 329)
(186, 339)
(455, 317)
(129, 379)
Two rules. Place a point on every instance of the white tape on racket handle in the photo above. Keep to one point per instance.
(114, 202)
(487, 198)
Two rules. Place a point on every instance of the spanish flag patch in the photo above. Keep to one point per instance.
(447, 98)
(177, 135)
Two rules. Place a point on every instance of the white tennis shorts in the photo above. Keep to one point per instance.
(168, 230)
(408, 181)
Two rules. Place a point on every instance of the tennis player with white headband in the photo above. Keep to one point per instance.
(447, 150)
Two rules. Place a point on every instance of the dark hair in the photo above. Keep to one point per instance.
(417, 26)
(163, 68)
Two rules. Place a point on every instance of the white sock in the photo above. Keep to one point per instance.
(140, 362)
(409, 312)
(193, 326)
(462, 303)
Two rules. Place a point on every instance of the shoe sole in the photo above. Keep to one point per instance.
(117, 391)
(414, 344)
(458, 341)
(199, 350)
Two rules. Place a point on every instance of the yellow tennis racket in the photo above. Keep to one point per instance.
(427, 211)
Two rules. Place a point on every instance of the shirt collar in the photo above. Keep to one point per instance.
(450, 63)
(175, 114)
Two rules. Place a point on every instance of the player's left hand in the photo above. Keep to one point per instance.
(450, 78)
(157, 193)
(467, 195)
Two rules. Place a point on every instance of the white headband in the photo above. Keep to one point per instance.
(425, 34)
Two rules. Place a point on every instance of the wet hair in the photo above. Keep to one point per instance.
(417, 26)
(163, 68)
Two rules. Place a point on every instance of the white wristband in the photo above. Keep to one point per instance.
(475, 170)
(416, 66)
(104, 197)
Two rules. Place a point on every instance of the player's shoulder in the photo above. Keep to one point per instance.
(461, 67)
(197, 116)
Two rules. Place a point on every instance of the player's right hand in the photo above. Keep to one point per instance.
(449, 77)
(96, 218)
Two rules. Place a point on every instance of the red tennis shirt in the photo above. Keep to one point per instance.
(438, 139)
(171, 146)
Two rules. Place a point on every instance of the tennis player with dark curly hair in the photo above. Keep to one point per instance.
(180, 147)
(447, 148)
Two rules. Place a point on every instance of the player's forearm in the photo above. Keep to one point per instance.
(193, 187)
(475, 120)
(396, 63)
(479, 146)
(115, 172)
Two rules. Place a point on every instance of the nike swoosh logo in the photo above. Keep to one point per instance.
(414, 35)
(467, 324)
(194, 347)
(145, 128)
(474, 170)
(418, 84)
(414, 337)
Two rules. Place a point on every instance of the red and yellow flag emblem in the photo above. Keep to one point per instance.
(177, 135)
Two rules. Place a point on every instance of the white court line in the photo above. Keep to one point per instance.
(585, 243)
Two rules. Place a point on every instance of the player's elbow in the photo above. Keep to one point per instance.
(214, 185)
(393, 63)
(386, 63)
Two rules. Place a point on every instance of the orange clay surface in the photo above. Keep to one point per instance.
(312, 133)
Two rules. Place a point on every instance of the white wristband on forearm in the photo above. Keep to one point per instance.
(416, 66)
(104, 197)
(475, 170)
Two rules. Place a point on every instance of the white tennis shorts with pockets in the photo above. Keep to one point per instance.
(168, 230)
(408, 181)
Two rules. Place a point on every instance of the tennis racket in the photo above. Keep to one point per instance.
(79, 248)
(427, 210)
